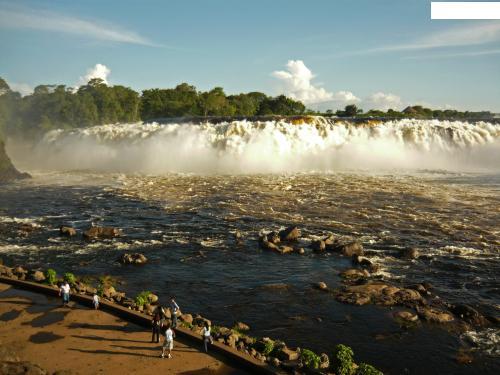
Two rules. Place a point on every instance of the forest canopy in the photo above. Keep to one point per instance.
(58, 106)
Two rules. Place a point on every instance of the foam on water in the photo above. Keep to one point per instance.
(269, 146)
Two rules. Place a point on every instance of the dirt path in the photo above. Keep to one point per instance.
(37, 329)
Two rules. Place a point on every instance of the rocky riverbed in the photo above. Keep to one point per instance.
(409, 278)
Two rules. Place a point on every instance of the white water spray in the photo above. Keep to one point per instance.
(270, 147)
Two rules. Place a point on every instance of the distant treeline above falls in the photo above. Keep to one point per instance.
(57, 106)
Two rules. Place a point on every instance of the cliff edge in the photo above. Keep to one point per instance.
(7, 170)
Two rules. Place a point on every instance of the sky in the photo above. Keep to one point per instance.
(327, 53)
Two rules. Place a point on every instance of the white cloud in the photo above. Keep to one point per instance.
(458, 36)
(382, 101)
(25, 18)
(296, 81)
(98, 71)
(458, 54)
(22, 88)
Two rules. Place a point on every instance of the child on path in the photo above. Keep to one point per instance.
(64, 291)
(168, 344)
(95, 301)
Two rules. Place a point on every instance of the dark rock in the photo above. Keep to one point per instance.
(410, 253)
(67, 231)
(324, 361)
(101, 232)
(354, 274)
(273, 237)
(470, 315)
(7, 170)
(406, 316)
(286, 354)
(321, 286)
(318, 246)
(135, 258)
(352, 248)
(291, 233)
(434, 315)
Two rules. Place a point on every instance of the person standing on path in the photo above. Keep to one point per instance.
(207, 336)
(95, 301)
(64, 291)
(168, 344)
(157, 323)
(174, 308)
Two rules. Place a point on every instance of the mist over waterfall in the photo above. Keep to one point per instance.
(276, 146)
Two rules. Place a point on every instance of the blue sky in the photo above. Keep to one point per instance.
(376, 53)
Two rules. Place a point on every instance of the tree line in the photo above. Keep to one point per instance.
(58, 106)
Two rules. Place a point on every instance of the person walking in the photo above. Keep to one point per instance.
(64, 290)
(95, 301)
(174, 308)
(168, 344)
(207, 336)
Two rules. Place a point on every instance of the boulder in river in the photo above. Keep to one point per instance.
(406, 316)
(291, 233)
(273, 237)
(354, 273)
(241, 327)
(409, 253)
(318, 246)
(470, 315)
(434, 315)
(321, 286)
(135, 258)
(101, 232)
(67, 231)
(351, 248)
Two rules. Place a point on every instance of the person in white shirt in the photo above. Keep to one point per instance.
(207, 336)
(168, 344)
(64, 291)
(95, 301)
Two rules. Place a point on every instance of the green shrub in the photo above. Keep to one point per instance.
(51, 276)
(365, 369)
(343, 360)
(265, 347)
(142, 298)
(310, 359)
(70, 278)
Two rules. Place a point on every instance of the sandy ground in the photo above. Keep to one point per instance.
(38, 329)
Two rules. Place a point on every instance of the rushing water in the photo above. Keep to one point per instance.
(185, 224)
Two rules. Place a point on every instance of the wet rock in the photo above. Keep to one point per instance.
(242, 327)
(347, 249)
(324, 361)
(135, 258)
(434, 315)
(406, 316)
(231, 340)
(318, 246)
(153, 298)
(273, 361)
(321, 286)
(273, 237)
(198, 320)
(286, 354)
(67, 231)
(225, 332)
(301, 251)
(365, 263)
(291, 233)
(470, 315)
(238, 236)
(354, 273)
(410, 253)
(463, 357)
(38, 276)
(101, 232)
(285, 249)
